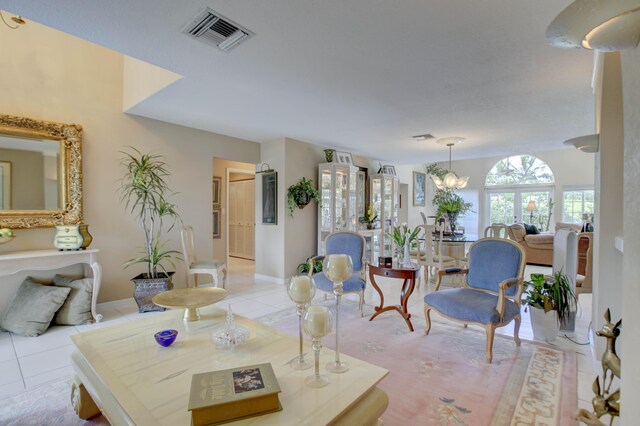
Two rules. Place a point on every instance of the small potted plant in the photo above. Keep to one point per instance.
(549, 301)
(303, 268)
(301, 194)
(370, 217)
(145, 194)
(403, 237)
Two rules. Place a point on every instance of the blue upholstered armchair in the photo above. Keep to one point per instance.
(492, 291)
(353, 244)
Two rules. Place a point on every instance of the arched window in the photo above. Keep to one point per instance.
(520, 188)
(519, 170)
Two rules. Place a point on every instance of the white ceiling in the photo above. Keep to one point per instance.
(358, 75)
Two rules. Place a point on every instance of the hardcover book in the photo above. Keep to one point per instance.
(225, 395)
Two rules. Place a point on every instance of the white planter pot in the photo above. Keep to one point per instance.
(544, 324)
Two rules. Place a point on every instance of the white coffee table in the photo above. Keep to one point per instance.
(135, 381)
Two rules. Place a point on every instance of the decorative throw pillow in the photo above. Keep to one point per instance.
(33, 308)
(531, 229)
(76, 309)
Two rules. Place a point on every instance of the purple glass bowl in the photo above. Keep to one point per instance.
(166, 337)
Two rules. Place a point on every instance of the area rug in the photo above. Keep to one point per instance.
(442, 378)
(48, 405)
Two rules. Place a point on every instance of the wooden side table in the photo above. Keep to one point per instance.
(408, 275)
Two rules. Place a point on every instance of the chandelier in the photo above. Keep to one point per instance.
(451, 180)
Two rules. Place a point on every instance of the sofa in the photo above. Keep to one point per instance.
(538, 247)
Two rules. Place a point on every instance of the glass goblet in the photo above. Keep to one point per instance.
(317, 324)
(301, 290)
(338, 268)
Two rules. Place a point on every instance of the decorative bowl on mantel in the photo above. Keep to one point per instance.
(6, 235)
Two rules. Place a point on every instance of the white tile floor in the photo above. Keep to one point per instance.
(26, 362)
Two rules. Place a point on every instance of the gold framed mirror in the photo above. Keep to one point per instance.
(40, 173)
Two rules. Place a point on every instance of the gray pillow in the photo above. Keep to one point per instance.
(33, 308)
(77, 308)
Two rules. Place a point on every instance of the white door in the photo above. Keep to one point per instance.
(509, 205)
(242, 219)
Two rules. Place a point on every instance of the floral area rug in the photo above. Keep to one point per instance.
(442, 378)
(49, 405)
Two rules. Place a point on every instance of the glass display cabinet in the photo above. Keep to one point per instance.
(385, 199)
(338, 210)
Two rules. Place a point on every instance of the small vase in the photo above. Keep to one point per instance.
(369, 225)
(328, 153)
(406, 261)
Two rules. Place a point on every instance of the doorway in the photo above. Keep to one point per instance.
(241, 214)
(511, 205)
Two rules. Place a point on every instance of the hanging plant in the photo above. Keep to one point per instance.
(301, 194)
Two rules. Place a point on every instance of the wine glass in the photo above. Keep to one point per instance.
(301, 290)
(317, 324)
(338, 268)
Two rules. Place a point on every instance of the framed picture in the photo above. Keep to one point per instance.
(5, 185)
(389, 170)
(343, 157)
(269, 198)
(216, 223)
(217, 181)
(419, 188)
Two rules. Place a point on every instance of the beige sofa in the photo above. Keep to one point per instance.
(538, 247)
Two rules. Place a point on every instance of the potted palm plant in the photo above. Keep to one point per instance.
(145, 193)
(301, 194)
(549, 301)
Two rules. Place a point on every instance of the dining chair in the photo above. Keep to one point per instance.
(213, 267)
(428, 252)
(584, 280)
(497, 230)
(492, 292)
(344, 242)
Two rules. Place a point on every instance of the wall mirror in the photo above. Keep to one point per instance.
(40, 173)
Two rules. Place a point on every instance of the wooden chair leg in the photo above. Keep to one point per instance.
(361, 304)
(491, 329)
(516, 330)
(438, 282)
(427, 319)
(195, 280)
(224, 276)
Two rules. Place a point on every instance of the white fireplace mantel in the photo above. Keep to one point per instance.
(42, 260)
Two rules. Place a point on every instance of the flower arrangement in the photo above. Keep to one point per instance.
(402, 235)
(370, 216)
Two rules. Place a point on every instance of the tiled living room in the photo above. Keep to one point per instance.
(473, 104)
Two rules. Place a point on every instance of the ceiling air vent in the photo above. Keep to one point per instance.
(212, 28)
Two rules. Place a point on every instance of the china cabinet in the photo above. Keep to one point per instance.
(338, 209)
(385, 199)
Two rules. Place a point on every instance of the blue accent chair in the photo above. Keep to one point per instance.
(353, 244)
(492, 291)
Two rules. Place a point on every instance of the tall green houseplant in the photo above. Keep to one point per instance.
(146, 195)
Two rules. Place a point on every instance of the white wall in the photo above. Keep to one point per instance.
(53, 76)
(631, 224)
(270, 238)
(607, 268)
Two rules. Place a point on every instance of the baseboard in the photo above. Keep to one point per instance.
(269, 278)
